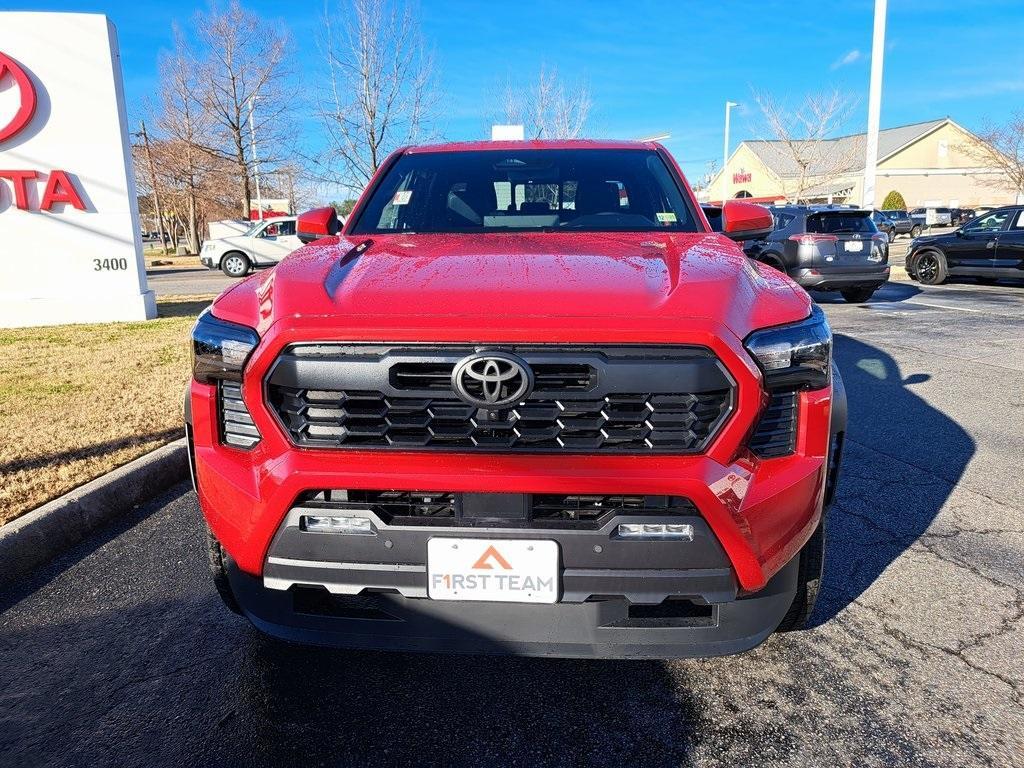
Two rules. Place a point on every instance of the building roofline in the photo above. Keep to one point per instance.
(939, 121)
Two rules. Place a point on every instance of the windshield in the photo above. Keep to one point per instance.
(528, 190)
(253, 229)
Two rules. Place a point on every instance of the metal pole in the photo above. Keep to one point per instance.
(725, 152)
(255, 161)
(152, 181)
(874, 105)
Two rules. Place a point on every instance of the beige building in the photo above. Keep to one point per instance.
(929, 163)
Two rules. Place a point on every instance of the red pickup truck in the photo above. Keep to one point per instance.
(525, 401)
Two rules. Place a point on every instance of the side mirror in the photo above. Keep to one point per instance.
(746, 221)
(317, 223)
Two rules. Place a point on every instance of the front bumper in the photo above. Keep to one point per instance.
(829, 279)
(605, 628)
(207, 261)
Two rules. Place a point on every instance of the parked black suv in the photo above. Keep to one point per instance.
(988, 247)
(895, 223)
(826, 248)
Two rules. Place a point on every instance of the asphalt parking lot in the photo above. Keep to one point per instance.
(187, 281)
(120, 653)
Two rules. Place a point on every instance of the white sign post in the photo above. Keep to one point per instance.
(70, 246)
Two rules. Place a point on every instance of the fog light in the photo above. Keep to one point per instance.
(655, 531)
(359, 526)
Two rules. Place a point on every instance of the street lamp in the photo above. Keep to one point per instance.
(725, 151)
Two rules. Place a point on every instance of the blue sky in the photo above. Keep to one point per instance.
(655, 67)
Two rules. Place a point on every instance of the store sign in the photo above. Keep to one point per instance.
(743, 177)
(70, 250)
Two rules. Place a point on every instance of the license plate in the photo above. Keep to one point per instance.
(497, 570)
(854, 245)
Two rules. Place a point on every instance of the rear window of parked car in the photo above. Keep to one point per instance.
(783, 220)
(838, 222)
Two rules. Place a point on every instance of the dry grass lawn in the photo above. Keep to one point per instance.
(79, 400)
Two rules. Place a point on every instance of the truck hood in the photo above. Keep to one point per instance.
(613, 277)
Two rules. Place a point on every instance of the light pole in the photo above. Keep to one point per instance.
(725, 151)
(255, 161)
(874, 105)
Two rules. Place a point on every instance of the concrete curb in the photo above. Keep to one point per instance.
(42, 534)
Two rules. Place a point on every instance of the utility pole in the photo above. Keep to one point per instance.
(255, 161)
(874, 105)
(152, 182)
(725, 151)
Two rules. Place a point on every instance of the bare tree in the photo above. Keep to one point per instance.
(381, 93)
(188, 128)
(245, 65)
(548, 109)
(803, 140)
(1000, 148)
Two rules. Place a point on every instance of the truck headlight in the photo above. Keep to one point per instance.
(220, 349)
(795, 356)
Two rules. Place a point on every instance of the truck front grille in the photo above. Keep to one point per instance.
(618, 400)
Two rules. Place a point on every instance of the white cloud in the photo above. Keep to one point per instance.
(849, 58)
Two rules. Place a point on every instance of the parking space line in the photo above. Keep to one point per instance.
(943, 306)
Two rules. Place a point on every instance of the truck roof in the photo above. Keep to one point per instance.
(470, 146)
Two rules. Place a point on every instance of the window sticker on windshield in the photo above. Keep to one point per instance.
(402, 197)
(666, 218)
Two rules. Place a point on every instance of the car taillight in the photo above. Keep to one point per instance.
(808, 238)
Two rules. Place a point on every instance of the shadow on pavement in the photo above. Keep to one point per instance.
(902, 460)
(182, 307)
(891, 291)
(181, 681)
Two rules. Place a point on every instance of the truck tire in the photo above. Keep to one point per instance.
(915, 231)
(930, 268)
(220, 575)
(812, 566)
(235, 264)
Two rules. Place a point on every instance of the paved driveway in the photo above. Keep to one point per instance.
(120, 653)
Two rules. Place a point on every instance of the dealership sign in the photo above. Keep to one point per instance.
(69, 245)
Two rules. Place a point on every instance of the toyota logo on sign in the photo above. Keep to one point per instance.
(492, 379)
(11, 70)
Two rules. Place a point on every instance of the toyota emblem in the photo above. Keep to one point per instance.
(11, 70)
(492, 379)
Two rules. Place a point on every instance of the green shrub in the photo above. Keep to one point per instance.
(894, 202)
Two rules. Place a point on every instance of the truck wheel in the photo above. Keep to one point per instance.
(812, 565)
(915, 231)
(235, 264)
(892, 235)
(857, 295)
(220, 574)
(930, 268)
